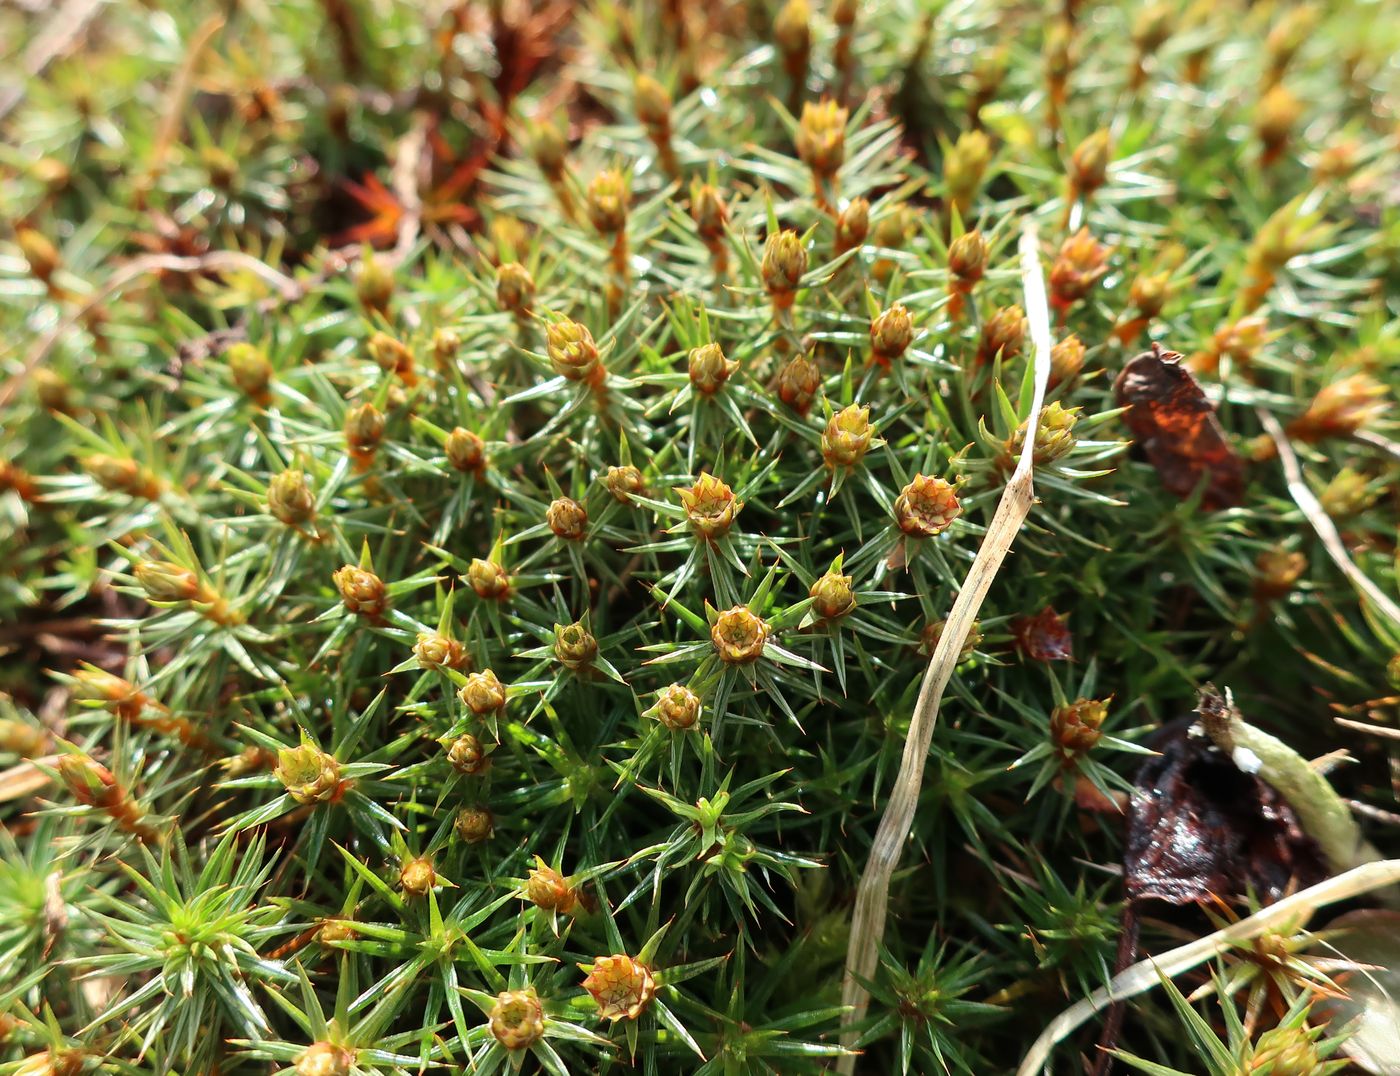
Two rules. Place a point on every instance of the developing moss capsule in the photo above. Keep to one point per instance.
(709, 369)
(572, 352)
(622, 482)
(364, 430)
(821, 138)
(676, 707)
(1075, 727)
(417, 876)
(832, 596)
(784, 263)
(250, 369)
(852, 225)
(392, 356)
(549, 890)
(433, 650)
(467, 755)
(164, 581)
(891, 333)
(798, 383)
(1002, 334)
(574, 646)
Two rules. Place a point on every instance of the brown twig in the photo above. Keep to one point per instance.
(1322, 523)
(872, 896)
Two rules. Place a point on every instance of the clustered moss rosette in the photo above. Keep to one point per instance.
(488, 490)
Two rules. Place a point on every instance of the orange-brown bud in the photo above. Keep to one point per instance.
(1075, 727)
(891, 333)
(798, 383)
(784, 263)
(465, 451)
(1002, 333)
(622, 987)
(549, 890)
(489, 580)
(852, 225)
(515, 287)
(927, 506)
(739, 635)
(1077, 268)
(710, 506)
(467, 755)
(483, 694)
(475, 824)
(572, 352)
(567, 519)
(363, 592)
(1066, 360)
(1342, 408)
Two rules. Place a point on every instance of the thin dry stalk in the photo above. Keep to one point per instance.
(1322, 523)
(872, 896)
(1288, 914)
(59, 36)
(215, 261)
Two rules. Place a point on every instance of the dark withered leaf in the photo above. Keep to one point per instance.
(1201, 828)
(1176, 428)
(1044, 637)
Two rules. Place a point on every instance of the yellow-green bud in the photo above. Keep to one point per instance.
(483, 694)
(309, 774)
(1088, 165)
(488, 579)
(517, 1018)
(607, 199)
(572, 352)
(515, 287)
(784, 263)
(676, 707)
(290, 500)
(821, 137)
(709, 369)
(549, 890)
(164, 581)
(832, 596)
(364, 429)
(389, 354)
(250, 369)
(708, 210)
(847, 437)
(574, 646)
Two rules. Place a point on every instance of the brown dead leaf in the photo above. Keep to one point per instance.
(1175, 426)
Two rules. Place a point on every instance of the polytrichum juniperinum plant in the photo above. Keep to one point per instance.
(481, 487)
